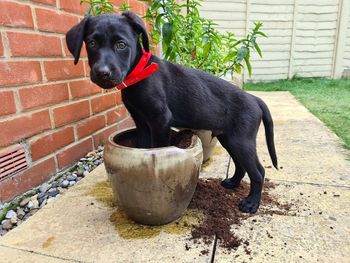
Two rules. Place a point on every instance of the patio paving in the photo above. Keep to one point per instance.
(82, 226)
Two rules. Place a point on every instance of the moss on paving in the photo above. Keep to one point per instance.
(328, 99)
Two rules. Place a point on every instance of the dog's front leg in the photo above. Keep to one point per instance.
(160, 130)
(144, 139)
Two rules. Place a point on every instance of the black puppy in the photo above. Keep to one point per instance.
(176, 96)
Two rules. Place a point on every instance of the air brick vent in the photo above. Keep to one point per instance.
(12, 160)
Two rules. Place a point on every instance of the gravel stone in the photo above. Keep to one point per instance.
(71, 183)
(44, 187)
(24, 202)
(43, 203)
(65, 184)
(85, 173)
(20, 213)
(80, 172)
(55, 184)
(41, 195)
(71, 177)
(6, 224)
(14, 220)
(30, 204)
(10, 214)
(34, 200)
(53, 192)
(42, 200)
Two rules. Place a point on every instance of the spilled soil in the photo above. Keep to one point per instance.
(211, 214)
(220, 209)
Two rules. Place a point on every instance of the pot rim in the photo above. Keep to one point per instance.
(194, 141)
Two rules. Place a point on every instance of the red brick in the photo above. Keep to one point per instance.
(63, 69)
(46, 2)
(102, 136)
(119, 98)
(1, 47)
(137, 7)
(126, 124)
(7, 105)
(73, 153)
(83, 88)
(117, 4)
(74, 6)
(43, 95)
(23, 127)
(26, 180)
(15, 14)
(51, 21)
(103, 102)
(116, 115)
(15, 73)
(72, 112)
(91, 125)
(52, 142)
(33, 45)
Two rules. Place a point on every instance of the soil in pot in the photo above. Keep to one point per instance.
(181, 139)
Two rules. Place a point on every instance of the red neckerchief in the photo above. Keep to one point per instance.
(139, 72)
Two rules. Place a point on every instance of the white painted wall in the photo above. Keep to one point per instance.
(303, 35)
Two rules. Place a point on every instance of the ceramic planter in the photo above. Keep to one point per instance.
(153, 186)
(208, 143)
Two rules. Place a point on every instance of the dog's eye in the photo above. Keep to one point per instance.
(91, 44)
(120, 45)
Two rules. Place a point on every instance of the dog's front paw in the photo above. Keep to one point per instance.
(248, 205)
(229, 183)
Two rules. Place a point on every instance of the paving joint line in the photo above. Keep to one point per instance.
(41, 254)
(310, 183)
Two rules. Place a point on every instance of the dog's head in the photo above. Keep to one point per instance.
(112, 44)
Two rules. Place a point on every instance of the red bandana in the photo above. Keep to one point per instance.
(140, 72)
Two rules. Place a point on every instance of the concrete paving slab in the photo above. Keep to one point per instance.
(77, 226)
(319, 232)
(82, 224)
(15, 255)
(307, 150)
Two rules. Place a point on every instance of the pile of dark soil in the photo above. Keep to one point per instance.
(220, 207)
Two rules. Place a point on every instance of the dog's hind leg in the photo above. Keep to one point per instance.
(244, 150)
(235, 180)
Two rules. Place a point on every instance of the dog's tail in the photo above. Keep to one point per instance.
(268, 123)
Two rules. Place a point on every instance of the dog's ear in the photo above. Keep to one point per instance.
(75, 38)
(137, 23)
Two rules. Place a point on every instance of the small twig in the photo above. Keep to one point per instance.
(228, 167)
(214, 249)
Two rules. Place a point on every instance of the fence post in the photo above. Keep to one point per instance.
(338, 56)
(294, 27)
(245, 76)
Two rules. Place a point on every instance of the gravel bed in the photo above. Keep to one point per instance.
(15, 213)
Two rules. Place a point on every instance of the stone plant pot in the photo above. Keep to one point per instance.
(208, 143)
(153, 186)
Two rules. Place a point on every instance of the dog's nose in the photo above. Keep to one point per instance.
(103, 72)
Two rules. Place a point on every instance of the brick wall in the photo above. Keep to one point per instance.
(46, 103)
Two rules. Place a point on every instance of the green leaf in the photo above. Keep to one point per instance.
(261, 34)
(87, 12)
(206, 49)
(167, 31)
(249, 67)
(241, 54)
(257, 48)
